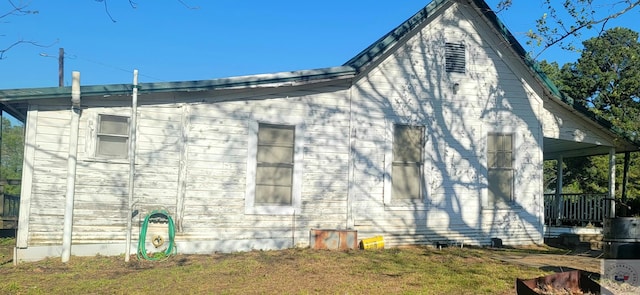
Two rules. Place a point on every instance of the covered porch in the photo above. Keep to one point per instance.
(584, 210)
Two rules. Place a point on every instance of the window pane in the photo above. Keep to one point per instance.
(492, 160)
(113, 146)
(273, 195)
(500, 185)
(114, 125)
(273, 185)
(492, 143)
(506, 160)
(275, 154)
(407, 143)
(274, 175)
(507, 143)
(406, 182)
(275, 135)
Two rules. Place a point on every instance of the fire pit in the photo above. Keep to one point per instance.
(569, 282)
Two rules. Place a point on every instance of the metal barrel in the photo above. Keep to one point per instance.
(621, 236)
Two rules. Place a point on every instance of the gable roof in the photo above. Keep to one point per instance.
(358, 64)
(371, 54)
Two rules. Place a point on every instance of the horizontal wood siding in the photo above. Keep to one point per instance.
(411, 87)
(192, 150)
(48, 189)
(216, 166)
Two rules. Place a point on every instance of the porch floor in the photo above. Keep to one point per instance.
(574, 237)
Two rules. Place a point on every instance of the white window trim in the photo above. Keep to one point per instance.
(486, 204)
(298, 156)
(91, 139)
(389, 203)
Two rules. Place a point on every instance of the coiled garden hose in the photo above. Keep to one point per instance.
(171, 248)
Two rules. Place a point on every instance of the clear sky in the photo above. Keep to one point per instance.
(168, 41)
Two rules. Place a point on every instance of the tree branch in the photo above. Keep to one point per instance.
(18, 9)
(20, 42)
(574, 30)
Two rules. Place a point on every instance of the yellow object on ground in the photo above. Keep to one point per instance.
(376, 242)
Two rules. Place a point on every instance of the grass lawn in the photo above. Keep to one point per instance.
(415, 270)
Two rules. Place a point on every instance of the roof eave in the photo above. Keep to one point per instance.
(261, 80)
(386, 42)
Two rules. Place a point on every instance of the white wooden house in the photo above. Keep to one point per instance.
(437, 131)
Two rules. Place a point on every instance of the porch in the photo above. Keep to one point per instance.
(575, 209)
(9, 211)
(575, 220)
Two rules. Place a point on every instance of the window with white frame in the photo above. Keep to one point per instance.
(273, 168)
(500, 166)
(407, 180)
(274, 171)
(112, 136)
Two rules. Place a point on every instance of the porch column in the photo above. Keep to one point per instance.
(612, 182)
(558, 198)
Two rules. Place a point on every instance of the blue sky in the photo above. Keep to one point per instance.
(167, 41)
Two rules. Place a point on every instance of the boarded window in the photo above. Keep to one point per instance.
(274, 171)
(455, 58)
(113, 136)
(500, 167)
(407, 169)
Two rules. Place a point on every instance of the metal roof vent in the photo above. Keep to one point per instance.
(454, 58)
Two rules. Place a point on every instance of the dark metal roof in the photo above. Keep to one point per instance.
(15, 101)
(296, 77)
(375, 50)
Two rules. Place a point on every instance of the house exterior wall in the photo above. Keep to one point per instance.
(560, 123)
(191, 160)
(192, 152)
(411, 87)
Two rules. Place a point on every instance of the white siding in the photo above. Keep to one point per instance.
(411, 87)
(191, 156)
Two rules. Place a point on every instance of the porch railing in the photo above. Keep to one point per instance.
(10, 205)
(575, 209)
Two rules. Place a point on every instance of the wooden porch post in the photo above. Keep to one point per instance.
(612, 182)
(558, 198)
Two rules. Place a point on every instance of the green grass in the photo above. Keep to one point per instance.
(294, 271)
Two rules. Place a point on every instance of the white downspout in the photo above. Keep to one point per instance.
(132, 162)
(71, 167)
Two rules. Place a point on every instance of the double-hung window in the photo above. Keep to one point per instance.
(407, 180)
(112, 137)
(274, 171)
(274, 166)
(500, 166)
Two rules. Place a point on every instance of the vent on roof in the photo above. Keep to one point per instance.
(455, 58)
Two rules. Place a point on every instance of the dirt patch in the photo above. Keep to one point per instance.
(554, 259)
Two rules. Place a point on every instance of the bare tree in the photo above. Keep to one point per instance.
(134, 5)
(565, 19)
(17, 9)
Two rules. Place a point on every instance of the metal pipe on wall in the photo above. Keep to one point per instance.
(132, 161)
(71, 167)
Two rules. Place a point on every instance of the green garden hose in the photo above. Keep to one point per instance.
(171, 248)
